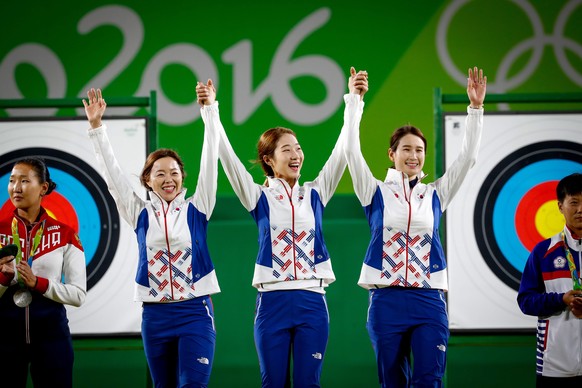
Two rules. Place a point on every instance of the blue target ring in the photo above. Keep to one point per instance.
(508, 200)
(86, 192)
(81, 200)
(506, 185)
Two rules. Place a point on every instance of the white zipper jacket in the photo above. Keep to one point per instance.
(174, 261)
(405, 249)
(292, 253)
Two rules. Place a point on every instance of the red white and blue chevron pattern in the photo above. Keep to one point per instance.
(413, 271)
(289, 247)
(178, 266)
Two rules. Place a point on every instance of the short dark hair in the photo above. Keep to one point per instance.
(570, 185)
(38, 165)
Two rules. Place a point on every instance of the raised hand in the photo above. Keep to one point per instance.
(95, 108)
(206, 93)
(358, 82)
(476, 87)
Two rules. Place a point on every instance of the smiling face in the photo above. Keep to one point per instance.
(166, 178)
(287, 159)
(24, 188)
(409, 155)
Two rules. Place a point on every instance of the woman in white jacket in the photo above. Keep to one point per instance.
(175, 276)
(404, 267)
(293, 266)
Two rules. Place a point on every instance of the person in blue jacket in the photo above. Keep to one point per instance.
(175, 275)
(551, 289)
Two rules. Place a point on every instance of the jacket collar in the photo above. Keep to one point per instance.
(42, 215)
(278, 182)
(573, 240)
(158, 201)
(398, 176)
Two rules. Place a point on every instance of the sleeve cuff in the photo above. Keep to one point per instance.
(352, 97)
(41, 285)
(94, 131)
(473, 110)
(213, 106)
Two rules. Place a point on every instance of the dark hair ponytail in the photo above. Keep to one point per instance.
(39, 166)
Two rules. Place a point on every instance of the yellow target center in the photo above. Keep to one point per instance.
(549, 220)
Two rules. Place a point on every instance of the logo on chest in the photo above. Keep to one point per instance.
(559, 262)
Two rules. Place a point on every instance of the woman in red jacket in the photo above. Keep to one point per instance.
(47, 272)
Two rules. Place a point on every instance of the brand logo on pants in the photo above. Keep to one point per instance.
(203, 360)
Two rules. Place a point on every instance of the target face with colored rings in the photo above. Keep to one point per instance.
(516, 207)
(78, 201)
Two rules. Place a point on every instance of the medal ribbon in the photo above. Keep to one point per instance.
(35, 244)
(572, 265)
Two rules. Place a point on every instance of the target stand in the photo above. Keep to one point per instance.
(506, 205)
(82, 200)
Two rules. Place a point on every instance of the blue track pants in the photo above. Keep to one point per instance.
(289, 325)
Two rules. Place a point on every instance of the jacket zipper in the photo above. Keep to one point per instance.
(165, 211)
(290, 196)
(25, 257)
(407, 199)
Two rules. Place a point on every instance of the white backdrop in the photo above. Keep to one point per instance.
(109, 307)
(478, 297)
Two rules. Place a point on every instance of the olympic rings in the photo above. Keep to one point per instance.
(536, 43)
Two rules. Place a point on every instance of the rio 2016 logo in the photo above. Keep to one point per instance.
(284, 68)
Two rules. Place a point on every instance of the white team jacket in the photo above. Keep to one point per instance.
(174, 261)
(405, 248)
(292, 253)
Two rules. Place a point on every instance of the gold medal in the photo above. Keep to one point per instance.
(22, 298)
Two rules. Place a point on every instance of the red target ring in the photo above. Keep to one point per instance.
(527, 210)
(57, 206)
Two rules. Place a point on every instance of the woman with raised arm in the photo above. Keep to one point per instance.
(175, 276)
(404, 267)
(44, 272)
(293, 266)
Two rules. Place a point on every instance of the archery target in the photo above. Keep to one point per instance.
(90, 210)
(506, 205)
(82, 201)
